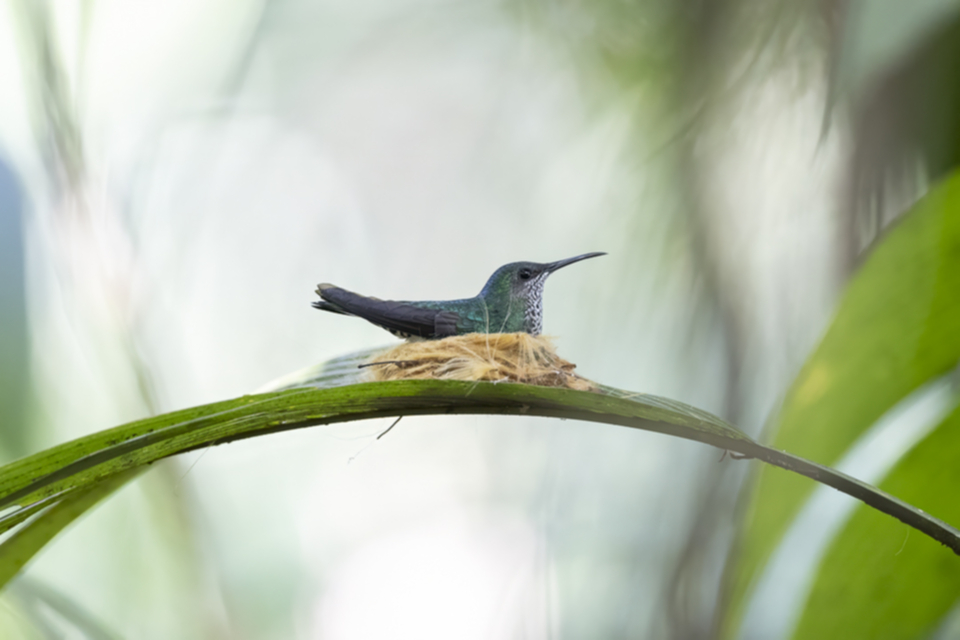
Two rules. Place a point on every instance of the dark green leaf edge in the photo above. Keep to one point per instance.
(60, 473)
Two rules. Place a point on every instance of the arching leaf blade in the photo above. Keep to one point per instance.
(895, 329)
(93, 460)
(892, 583)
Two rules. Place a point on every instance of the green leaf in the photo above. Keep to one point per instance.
(80, 462)
(65, 474)
(896, 328)
(893, 584)
(59, 484)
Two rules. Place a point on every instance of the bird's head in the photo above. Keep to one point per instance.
(523, 281)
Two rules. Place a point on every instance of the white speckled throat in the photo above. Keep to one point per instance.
(533, 314)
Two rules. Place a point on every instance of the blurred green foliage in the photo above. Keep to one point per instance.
(878, 580)
(896, 329)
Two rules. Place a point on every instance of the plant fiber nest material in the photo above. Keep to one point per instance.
(488, 357)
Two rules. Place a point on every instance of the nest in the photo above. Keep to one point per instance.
(489, 357)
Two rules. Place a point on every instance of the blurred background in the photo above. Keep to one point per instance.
(175, 179)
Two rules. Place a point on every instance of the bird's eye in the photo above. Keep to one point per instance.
(525, 274)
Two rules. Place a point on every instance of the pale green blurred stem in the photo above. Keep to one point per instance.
(96, 285)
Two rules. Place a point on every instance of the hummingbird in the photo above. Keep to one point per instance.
(511, 301)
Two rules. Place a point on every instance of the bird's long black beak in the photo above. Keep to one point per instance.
(559, 264)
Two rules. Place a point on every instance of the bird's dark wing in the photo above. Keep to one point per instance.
(401, 318)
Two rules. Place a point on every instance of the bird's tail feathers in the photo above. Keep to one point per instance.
(325, 305)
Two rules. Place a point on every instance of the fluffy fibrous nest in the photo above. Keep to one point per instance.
(490, 357)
